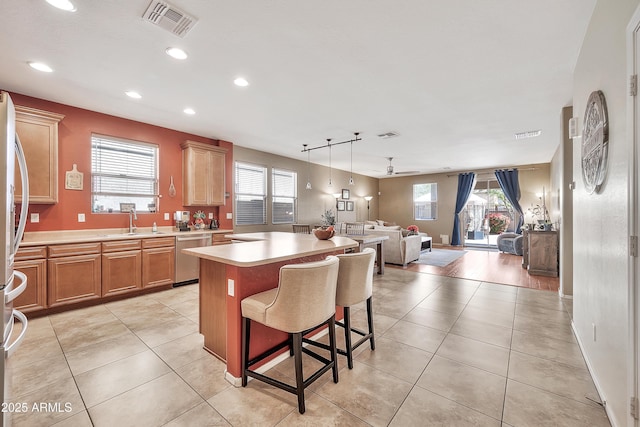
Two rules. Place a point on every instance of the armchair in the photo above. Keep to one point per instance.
(510, 243)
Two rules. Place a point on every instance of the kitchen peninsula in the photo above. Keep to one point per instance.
(232, 272)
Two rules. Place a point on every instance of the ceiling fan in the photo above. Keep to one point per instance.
(390, 170)
(390, 167)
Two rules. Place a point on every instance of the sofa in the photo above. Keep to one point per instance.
(398, 249)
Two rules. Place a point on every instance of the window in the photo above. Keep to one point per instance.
(123, 171)
(251, 192)
(284, 191)
(425, 201)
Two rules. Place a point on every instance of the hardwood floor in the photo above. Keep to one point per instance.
(487, 266)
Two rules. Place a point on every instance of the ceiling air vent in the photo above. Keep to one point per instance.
(169, 17)
(387, 135)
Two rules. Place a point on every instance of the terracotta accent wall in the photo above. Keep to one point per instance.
(74, 146)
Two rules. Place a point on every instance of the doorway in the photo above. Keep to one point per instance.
(487, 214)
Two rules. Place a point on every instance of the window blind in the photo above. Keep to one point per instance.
(123, 171)
(251, 191)
(284, 192)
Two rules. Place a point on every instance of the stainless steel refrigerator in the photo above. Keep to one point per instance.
(12, 282)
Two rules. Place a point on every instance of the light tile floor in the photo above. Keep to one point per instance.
(449, 352)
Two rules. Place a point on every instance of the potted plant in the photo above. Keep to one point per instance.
(198, 222)
(498, 223)
(412, 230)
(328, 218)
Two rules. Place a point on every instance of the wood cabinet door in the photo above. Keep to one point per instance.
(543, 253)
(216, 178)
(203, 172)
(196, 177)
(121, 272)
(73, 279)
(35, 296)
(38, 132)
(158, 266)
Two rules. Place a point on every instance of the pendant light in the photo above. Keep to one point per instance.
(308, 166)
(351, 175)
(329, 144)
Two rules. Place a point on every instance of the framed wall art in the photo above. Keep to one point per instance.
(349, 206)
(340, 205)
(346, 194)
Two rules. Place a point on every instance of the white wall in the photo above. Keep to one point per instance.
(600, 220)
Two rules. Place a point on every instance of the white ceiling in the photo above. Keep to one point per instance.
(455, 79)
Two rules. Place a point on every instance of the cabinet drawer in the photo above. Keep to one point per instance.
(121, 245)
(33, 252)
(159, 242)
(74, 249)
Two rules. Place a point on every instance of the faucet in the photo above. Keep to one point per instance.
(132, 216)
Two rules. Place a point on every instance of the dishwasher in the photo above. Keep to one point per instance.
(188, 266)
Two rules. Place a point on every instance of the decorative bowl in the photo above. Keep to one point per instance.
(323, 234)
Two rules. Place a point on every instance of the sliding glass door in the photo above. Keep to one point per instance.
(487, 214)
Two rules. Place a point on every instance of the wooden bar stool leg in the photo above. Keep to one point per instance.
(334, 347)
(347, 336)
(372, 340)
(297, 352)
(246, 336)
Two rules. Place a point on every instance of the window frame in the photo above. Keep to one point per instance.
(100, 178)
(433, 202)
(249, 195)
(294, 199)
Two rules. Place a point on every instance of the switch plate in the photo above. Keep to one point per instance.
(81, 217)
(210, 215)
(166, 216)
(35, 217)
(231, 287)
(229, 215)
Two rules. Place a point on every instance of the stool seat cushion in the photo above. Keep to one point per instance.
(304, 298)
(255, 306)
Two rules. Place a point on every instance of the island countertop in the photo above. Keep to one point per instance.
(269, 247)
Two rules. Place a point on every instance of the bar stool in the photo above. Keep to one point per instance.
(304, 300)
(355, 284)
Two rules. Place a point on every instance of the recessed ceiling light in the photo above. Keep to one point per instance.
(189, 111)
(241, 81)
(528, 134)
(133, 94)
(176, 53)
(62, 4)
(40, 67)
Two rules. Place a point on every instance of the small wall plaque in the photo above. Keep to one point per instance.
(73, 179)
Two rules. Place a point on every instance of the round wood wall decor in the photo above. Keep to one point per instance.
(595, 142)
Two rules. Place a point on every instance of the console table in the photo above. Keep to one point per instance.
(540, 252)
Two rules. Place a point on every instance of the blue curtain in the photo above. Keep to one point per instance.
(508, 180)
(465, 185)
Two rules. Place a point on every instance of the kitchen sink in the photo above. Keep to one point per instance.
(132, 234)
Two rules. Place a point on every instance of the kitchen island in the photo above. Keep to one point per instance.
(251, 265)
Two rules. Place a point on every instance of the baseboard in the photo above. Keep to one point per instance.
(601, 395)
(237, 382)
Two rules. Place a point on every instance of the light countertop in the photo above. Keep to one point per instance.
(37, 238)
(269, 247)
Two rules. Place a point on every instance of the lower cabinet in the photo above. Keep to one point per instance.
(121, 267)
(33, 263)
(73, 273)
(158, 261)
(65, 274)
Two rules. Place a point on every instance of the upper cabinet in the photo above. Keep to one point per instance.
(38, 132)
(202, 174)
